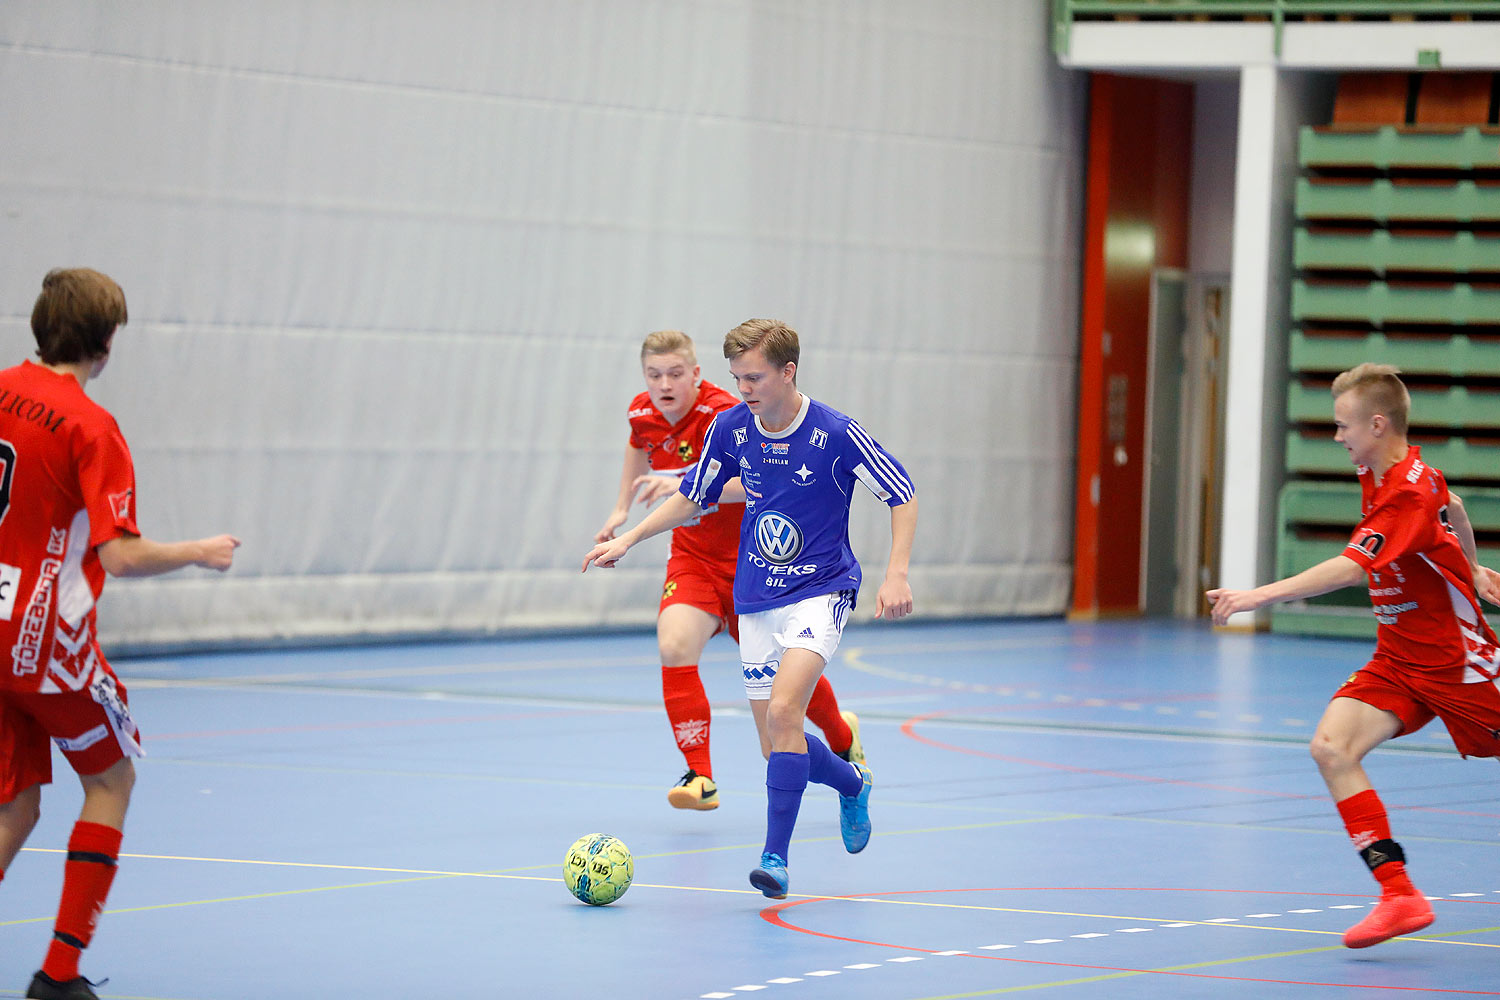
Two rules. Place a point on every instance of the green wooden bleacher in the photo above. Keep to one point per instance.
(1455, 407)
(1385, 201)
(1377, 302)
(1385, 252)
(1315, 453)
(1397, 260)
(1387, 147)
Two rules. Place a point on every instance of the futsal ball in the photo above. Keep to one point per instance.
(598, 869)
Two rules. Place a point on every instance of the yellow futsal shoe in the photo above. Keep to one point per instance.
(856, 752)
(694, 791)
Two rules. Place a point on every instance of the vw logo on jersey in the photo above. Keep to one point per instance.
(778, 537)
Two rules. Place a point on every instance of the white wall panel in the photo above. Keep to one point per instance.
(389, 263)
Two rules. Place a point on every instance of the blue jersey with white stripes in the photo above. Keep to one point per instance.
(794, 538)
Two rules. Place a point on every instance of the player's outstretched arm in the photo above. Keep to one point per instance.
(136, 555)
(1330, 574)
(670, 514)
(652, 487)
(636, 466)
(893, 600)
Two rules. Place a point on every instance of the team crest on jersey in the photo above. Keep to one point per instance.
(684, 451)
(119, 503)
(819, 438)
(740, 437)
(1369, 542)
(778, 537)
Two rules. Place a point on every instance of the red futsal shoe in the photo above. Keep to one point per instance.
(1394, 915)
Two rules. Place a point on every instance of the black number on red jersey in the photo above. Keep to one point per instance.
(8, 458)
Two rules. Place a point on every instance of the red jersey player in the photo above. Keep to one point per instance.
(67, 517)
(667, 424)
(1435, 656)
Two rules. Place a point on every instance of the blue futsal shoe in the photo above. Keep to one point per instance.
(771, 877)
(854, 814)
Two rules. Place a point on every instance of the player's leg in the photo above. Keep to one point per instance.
(98, 737)
(758, 711)
(93, 853)
(840, 728)
(17, 819)
(1350, 729)
(788, 765)
(25, 766)
(681, 633)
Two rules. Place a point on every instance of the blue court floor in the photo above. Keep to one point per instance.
(1123, 809)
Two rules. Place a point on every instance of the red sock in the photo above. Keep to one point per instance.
(93, 851)
(687, 710)
(823, 710)
(1365, 819)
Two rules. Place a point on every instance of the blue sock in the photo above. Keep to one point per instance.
(786, 779)
(827, 768)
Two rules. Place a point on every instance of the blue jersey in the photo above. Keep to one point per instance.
(794, 538)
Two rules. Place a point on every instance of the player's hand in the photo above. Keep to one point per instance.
(893, 600)
(218, 552)
(605, 554)
(649, 489)
(614, 521)
(1230, 602)
(1487, 584)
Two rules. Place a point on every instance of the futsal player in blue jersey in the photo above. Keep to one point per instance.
(797, 577)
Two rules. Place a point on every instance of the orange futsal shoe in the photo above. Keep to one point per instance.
(694, 791)
(1394, 915)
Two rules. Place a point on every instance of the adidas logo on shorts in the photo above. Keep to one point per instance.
(806, 633)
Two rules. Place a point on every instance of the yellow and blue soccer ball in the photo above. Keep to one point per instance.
(598, 869)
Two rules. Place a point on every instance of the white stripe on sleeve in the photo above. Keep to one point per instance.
(884, 468)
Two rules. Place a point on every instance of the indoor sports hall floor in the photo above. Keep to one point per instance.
(1111, 810)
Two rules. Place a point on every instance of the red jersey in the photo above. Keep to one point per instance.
(1421, 584)
(67, 485)
(715, 536)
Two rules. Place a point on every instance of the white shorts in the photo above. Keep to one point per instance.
(815, 623)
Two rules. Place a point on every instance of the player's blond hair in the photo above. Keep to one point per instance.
(668, 342)
(777, 341)
(1379, 389)
(75, 315)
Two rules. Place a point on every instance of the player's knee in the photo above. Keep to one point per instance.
(1329, 754)
(783, 717)
(21, 815)
(676, 651)
(117, 782)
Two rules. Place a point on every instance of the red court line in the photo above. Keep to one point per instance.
(909, 729)
(772, 915)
